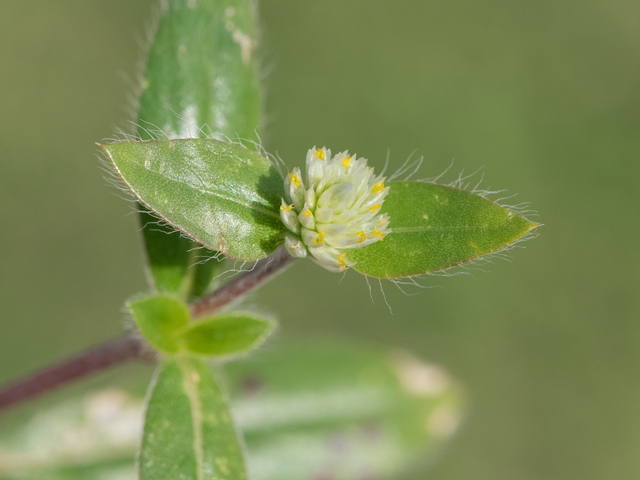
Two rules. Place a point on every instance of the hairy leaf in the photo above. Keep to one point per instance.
(436, 227)
(188, 431)
(201, 74)
(222, 195)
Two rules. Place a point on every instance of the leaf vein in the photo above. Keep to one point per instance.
(196, 413)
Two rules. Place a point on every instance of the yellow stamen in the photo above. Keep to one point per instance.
(377, 233)
(345, 162)
(343, 262)
(362, 235)
(293, 178)
(378, 187)
(286, 207)
(320, 154)
(320, 238)
(307, 213)
(375, 207)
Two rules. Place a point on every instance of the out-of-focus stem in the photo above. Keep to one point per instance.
(119, 350)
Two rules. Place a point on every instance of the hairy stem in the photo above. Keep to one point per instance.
(123, 349)
(131, 346)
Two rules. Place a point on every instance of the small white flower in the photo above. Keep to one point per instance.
(338, 211)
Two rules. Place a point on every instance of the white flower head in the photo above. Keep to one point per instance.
(337, 211)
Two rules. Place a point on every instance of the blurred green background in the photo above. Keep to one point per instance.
(543, 94)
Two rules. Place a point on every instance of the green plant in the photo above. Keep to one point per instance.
(206, 201)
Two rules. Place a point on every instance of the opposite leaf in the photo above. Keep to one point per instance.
(188, 432)
(158, 318)
(222, 195)
(225, 335)
(436, 227)
(198, 74)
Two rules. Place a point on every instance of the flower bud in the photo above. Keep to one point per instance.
(289, 217)
(294, 246)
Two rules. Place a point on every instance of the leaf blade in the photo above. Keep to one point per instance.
(222, 195)
(201, 71)
(226, 335)
(158, 317)
(437, 227)
(197, 441)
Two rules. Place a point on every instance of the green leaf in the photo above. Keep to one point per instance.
(224, 196)
(188, 431)
(201, 73)
(164, 323)
(158, 318)
(307, 411)
(225, 335)
(436, 227)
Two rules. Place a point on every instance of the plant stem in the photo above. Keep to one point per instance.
(263, 270)
(125, 348)
(131, 346)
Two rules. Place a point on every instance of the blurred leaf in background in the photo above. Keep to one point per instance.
(341, 411)
(543, 95)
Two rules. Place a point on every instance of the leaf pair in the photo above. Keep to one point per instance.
(188, 430)
(226, 197)
(166, 324)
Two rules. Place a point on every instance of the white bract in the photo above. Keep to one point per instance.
(338, 211)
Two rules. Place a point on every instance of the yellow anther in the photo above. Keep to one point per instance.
(293, 178)
(320, 154)
(375, 207)
(286, 207)
(378, 187)
(307, 213)
(362, 235)
(345, 162)
(320, 238)
(343, 262)
(377, 233)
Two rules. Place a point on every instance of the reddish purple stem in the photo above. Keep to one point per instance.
(263, 270)
(120, 350)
